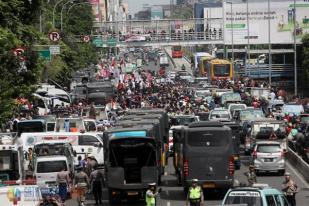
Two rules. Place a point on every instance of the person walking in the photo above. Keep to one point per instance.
(251, 175)
(289, 188)
(81, 185)
(151, 195)
(195, 195)
(63, 181)
(97, 181)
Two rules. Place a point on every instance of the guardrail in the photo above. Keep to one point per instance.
(298, 163)
(170, 58)
(262, 71)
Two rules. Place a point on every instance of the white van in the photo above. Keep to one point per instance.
(82, 143)
(21, 195)
(47, 168)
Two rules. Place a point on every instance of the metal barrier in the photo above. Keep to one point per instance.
(262, 71)
(298, 163)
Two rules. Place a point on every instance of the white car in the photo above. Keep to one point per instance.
(47, 168)
(220, 114)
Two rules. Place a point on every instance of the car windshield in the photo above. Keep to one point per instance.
(295, 109)
(244, 197)
(237, 106)
(304, 119)
(208, 139)
(268, 148)
(183, 120)
(249, 115)
(202, 93)
(51, 166)
(219, 114)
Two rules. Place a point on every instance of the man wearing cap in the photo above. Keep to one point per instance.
(195, 194)
(289, 187)
(251, 175)
(151, 195)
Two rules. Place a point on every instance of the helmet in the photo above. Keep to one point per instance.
(194, 180)
(294, 132)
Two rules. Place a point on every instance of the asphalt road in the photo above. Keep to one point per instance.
(172, 195)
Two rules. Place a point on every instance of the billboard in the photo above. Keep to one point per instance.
(156, 13)
(282, 16)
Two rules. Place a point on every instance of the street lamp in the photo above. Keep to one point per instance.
(231, 3)
(269, 47)
(295, 55)
(54, 10)
(61, 16)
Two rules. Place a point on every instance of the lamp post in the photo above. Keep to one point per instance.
(269, 47)
(248, 37)
(295, 55)
(61, 14)
(54, 10)
(231, 3)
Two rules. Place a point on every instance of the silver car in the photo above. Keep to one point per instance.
(269, 156)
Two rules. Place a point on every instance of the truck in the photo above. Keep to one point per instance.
(11, 158)
(131, 159)
(204, 150)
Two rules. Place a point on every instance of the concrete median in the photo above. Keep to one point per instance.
(298, 163)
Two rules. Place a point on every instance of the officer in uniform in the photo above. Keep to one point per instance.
(289, 188)
(151, 195)
(195, 194)
(251, 175)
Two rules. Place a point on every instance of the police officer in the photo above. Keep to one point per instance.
(151, 195)
(251, 175)
(97, 181)
(195, 194)
(290, 188)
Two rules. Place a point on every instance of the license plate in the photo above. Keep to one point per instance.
(209, 185)
(268, 159)
(132, 193)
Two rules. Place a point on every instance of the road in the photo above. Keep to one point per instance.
(172, 195)
(179, 61)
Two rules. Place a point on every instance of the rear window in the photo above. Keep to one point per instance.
(51, 166)
(208, 139)
(244, 197)
(268, 148)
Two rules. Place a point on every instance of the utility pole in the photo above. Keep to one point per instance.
(295, 54)
(269, 47)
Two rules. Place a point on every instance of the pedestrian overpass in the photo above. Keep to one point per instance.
(158, 33)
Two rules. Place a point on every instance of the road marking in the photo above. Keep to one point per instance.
(168, 203)
(298, 175)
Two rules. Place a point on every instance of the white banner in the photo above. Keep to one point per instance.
(281, 22)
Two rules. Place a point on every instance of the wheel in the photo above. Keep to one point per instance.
(281, 172)
(179, 181)
(113, 200)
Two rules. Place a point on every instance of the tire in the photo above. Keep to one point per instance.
(113, 200)
(179, 180)
(281, 172)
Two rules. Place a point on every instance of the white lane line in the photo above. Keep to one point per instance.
(168, 203)
(300, 177)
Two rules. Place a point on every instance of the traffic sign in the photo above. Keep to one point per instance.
(111, 42)
(98, 42)
(86, 38)
(44, 54)
(54, 36)
(55, 49)
(19, 52)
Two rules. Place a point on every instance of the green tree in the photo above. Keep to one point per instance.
(17, 18)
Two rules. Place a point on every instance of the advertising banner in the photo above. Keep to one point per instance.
(282, 16)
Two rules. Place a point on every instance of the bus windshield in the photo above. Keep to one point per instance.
(31, 126)
(221, 70)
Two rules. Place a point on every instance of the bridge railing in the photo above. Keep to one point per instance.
(262, 71)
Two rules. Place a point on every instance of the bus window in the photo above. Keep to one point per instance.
(221, 70)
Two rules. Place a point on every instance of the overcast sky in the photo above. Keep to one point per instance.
(137, 5)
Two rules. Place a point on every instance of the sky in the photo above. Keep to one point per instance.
(137, 5)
